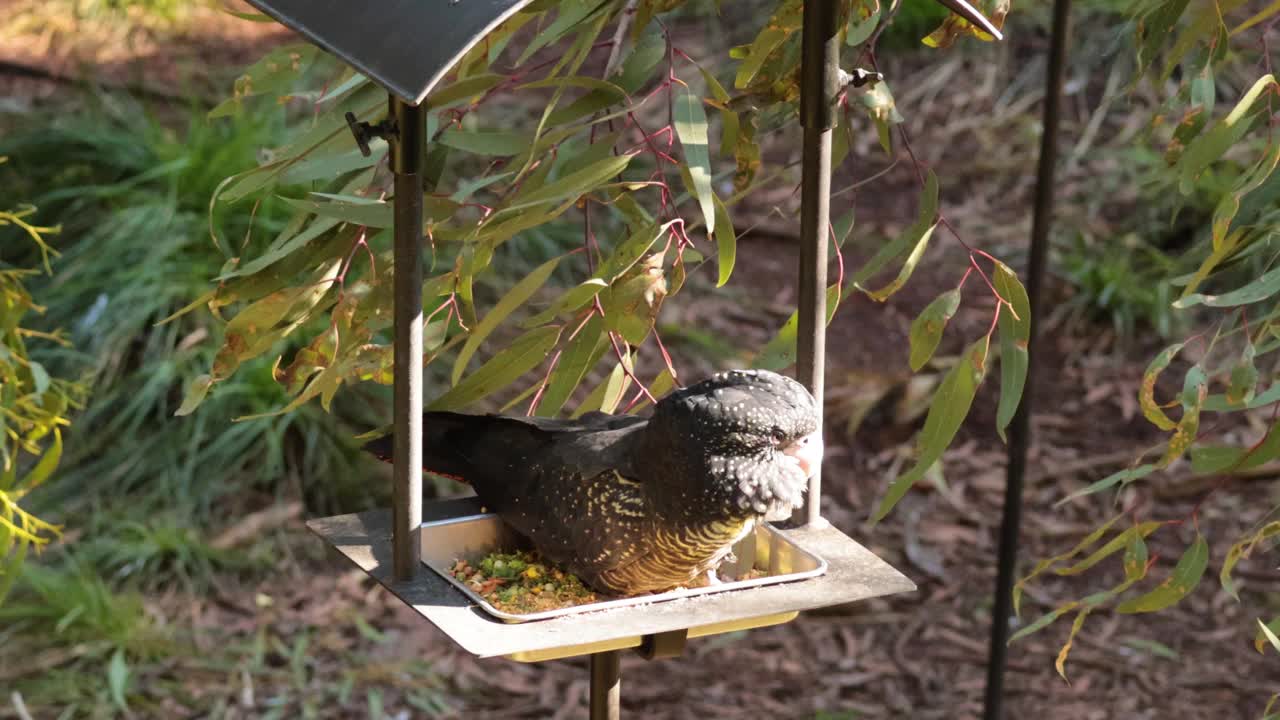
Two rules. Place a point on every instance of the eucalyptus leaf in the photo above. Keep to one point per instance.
(948, 410)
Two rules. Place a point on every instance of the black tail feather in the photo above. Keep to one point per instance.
(453, 444)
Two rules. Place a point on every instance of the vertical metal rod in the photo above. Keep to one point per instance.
(819, 81)
(606, 685)
(1020, 429)
(406, 164)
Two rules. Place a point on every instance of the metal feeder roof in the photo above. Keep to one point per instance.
(405, 46)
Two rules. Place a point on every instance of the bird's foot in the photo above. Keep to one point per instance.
(712, 578)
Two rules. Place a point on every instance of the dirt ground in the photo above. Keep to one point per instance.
(918, 655)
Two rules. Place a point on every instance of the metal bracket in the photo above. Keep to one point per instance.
(860, 77)
(364, 132)
(663, 645)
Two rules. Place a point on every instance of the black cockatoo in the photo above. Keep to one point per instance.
(633, 504)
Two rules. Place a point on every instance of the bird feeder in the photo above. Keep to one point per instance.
(407, 46)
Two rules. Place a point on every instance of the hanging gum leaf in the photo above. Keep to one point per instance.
(1218, 403)
(580, 355)
(573, 185)
(1154, 27)
(948, 410)
(1146, 395)
(628, 252)
(1203, 29)
(1043, 621)
(1015, 337)
(927, 328)
(638, 66)
(1195, 388)
(726, 242)
(729, 122)
(1116, 544)
(195, 395)
(691, 127)
(323, 386)
(746, 153)
(1260, 289)
(1060, 664)
(784, 22)
(1244, 376)
(487, 143)
(1229, 205)
(1120, 477)
(572, 299)
(780, 352)
(863, 19)
(273, 74)
(1220, 252)
(1261, 16)
(1243, 549)
(357, 211)
(523, 355)
(1089, 604)
(925, 221)
(515, 298)
(1135, 558)
(908, 267)
(954, 26)
(1186, 575)
(616, 386)
(1267, 632)
(593, 400)
(1213, 143)
(1045, 564)
(1202, 98)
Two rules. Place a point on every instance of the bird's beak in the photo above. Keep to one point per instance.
(807, 452)
(970, 13)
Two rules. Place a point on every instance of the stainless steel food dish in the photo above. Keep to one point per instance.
(472, 537)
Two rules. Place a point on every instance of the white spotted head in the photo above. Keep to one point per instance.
(752, 434)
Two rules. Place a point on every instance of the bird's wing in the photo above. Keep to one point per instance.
(591, 524)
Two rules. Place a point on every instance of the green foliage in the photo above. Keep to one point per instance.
(34, 405)
(586, 148)
(73, 603)
(133, 195)
(1125, 280)
(1218, 168)
(121, 9)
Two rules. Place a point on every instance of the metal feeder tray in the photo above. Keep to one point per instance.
(472, 537)
(852, 574)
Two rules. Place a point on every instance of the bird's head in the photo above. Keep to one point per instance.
(754, 433)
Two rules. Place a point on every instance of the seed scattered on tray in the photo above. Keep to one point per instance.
(521, 583)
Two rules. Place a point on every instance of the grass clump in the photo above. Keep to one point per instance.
(130, 186)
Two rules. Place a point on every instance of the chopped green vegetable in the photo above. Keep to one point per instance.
(521, 583)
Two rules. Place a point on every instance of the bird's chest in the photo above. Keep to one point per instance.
(677, 555)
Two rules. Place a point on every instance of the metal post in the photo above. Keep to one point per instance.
(819, 81)
(1020, 429)
(606, 685)
(407, 139)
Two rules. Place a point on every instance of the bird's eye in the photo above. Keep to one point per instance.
(779, 435)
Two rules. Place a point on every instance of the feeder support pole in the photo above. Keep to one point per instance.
(407, 140)
(1020, 429)
(819, 84)
(606, 685)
